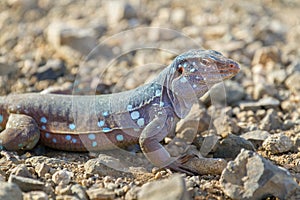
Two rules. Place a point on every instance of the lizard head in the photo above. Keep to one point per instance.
(194, 72)
(202, 67)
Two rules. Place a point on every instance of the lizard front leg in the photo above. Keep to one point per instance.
(149, 140)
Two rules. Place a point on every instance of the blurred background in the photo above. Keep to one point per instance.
(80, 47)
(43, 42)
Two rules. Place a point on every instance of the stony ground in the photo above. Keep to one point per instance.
(45, 45)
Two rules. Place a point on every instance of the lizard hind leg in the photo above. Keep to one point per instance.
(21, 133)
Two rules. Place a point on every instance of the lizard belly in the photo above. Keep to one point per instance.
(93, 141)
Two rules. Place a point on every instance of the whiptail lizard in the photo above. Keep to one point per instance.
(143, 116)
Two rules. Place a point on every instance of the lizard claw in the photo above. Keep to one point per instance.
(178, 165)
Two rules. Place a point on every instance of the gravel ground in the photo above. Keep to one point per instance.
(45, 46)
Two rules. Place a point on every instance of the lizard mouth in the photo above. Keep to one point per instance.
(221, 72)
(228, 70)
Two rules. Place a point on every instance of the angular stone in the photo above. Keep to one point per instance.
(100, 194)
(26, 184)
(42, 169)
(277, 143)
(293, 82)
(230, 147)
(269, 102)
(265, 55)
(173, 188)
(271, 121)
(234, 92)
(250, 176)
(79, 191)
(225, 125)
(62, 177)
(256, 137)
(70, 40)
(52, 70)
(105, 165)
(10, 191)
(21, 170)
(35, 195)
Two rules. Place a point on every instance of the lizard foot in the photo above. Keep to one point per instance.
(178, 165)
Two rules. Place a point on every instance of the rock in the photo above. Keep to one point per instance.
(24, 5)
(178, 16)
(265, 55)
(262, 89)
(129, 11)
(277, 76)
(35, 195)
(230, 147)
(132, 193)
(51, 70)
(251, 176)
(228, 92)
(62, 177)
(294, 66)
(41, 169)
(187, 134)
(10, 191)
(271, 121)
(234, 92)
(62, 189)
(225, 125)
(268, 102)
(6, 68)
(137, 76)
(26, 184)
(288, 124)
(162, 35)
(117, 10)
(21, 170)
(172, 188)
(293, 82)
(214, 32)
(100, 194)
(79, 191)
(207, 144)
(43, 159)
(105, 165)
(277, 143)
(70, 40)
(256, 137)
(296, 141)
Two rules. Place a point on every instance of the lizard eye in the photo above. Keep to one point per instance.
(180, 69)
(180, 66)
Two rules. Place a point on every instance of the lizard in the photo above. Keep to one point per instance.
(144, 115)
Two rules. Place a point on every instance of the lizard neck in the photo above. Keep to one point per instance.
(181, 98)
